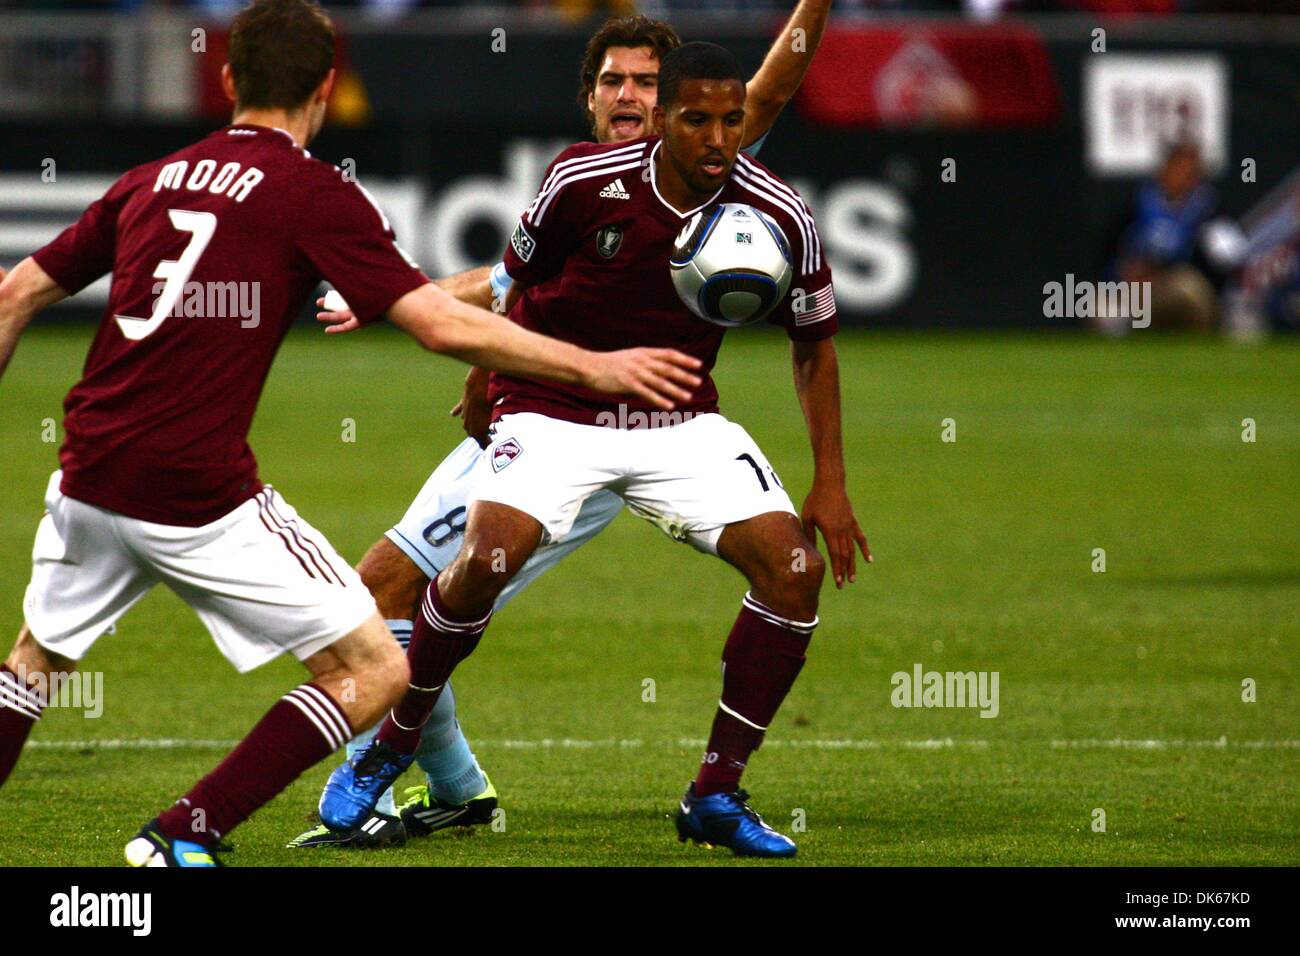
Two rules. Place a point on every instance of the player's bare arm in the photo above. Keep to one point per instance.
(783, 69)
(445, 325)
(23, 292)
(471, 286)
(827, 507)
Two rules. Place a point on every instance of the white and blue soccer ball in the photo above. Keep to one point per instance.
(731, 264)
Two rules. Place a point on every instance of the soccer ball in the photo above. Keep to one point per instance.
(731, 264)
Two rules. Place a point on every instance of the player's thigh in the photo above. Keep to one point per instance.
(431, 530)
(263, 580)
(545, 468)
(698, 477)
(367, 653)
(83, 576)
(594, 516)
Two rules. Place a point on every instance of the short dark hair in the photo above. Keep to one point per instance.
(279, 52)
(634, 31)
(695, 61)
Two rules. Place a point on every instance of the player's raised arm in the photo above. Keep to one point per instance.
(783, 68)
(443, 324)
(23, 293)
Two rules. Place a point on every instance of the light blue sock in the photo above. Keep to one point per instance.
(444, 754)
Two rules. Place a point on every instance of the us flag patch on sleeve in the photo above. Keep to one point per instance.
(810, 307)
(522, 242)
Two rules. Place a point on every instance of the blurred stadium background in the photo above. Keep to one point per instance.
(1052, 138)
(1122, 690)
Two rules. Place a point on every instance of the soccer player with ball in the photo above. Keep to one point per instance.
(590, 262)
(618, 90)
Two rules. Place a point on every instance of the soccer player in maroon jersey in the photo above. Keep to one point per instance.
(618, 90)
(591, 256)
(157, 482)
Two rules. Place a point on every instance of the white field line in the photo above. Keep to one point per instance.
(1221, 743)
(568, 743)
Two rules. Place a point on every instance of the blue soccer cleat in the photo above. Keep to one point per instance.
(725, 819)
(150, 848)
(355, 787)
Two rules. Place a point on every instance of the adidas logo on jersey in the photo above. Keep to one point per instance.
(615, 190)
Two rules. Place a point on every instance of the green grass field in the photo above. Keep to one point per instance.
(1119, 690)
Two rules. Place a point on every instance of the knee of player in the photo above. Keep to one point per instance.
(29, 656)
(486, 568)
(815, 570)
(392, 578)
(372, 575)
(804, 569)
(389, 670)
(796, 583)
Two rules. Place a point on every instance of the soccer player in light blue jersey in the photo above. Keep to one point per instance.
(619, 90)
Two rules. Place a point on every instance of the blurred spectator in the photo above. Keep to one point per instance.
(1175, 241)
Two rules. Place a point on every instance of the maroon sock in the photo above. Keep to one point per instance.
(304, 727)
(763, 655)
(20, 708)
(440, 639)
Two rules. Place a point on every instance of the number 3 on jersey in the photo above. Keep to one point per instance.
(176, 272)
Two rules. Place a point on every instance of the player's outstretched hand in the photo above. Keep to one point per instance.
(827, 508)
(339, 319)
(663, 377)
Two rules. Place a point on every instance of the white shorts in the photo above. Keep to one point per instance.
(433, 529)
(691, 480)
(260, 578)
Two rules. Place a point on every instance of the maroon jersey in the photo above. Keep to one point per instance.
(593, 249)
(214, 250)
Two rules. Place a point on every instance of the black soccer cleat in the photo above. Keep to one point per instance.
(378, 831)
(423, 813)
